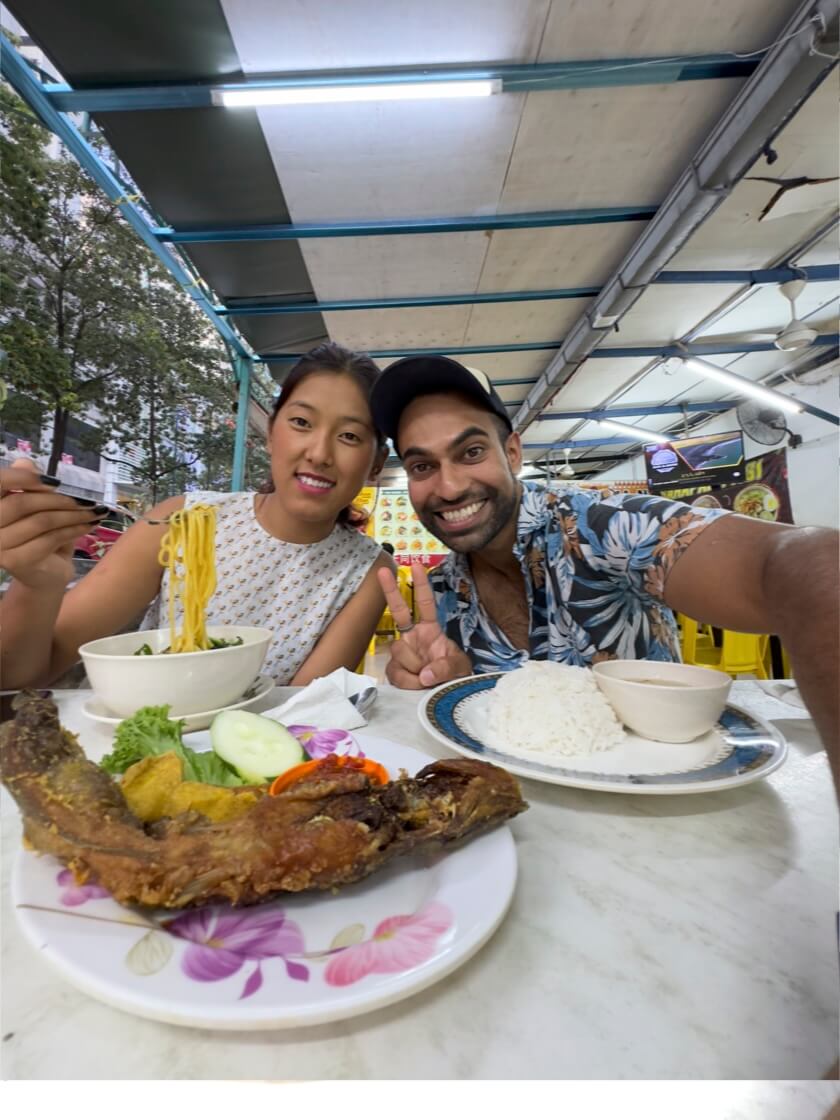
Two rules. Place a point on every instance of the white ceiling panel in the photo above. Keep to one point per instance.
(378, 267)
(808, 145)
(640, 28)
(704, 390)
(565, 257)
(518, 363)
(410, 327)
(734, 237)
(609, 147)
(668, 311)
(825, 251)
(547, 431)
(392, 159)
(325, 35)
(540, 321)
(595, 381)
(661, 387)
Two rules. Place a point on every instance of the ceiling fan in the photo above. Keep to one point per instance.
(796, 335)
(567, 470)
(549, 471)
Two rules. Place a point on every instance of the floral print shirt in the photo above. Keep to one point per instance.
(595, 571)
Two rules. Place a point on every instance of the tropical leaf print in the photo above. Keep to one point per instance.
(595, 570)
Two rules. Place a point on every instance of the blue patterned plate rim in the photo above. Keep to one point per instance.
(756, 749)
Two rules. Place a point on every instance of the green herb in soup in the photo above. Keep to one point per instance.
(215, 643)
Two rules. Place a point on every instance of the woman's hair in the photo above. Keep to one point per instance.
(331, 358)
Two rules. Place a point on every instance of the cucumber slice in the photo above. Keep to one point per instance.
(256, 747)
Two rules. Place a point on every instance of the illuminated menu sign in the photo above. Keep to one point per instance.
(699, 460)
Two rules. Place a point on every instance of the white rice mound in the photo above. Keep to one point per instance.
(545, 711)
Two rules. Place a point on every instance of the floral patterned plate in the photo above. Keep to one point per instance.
(740, 749)
(296, 961)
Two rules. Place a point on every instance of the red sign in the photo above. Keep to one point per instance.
(65, 458)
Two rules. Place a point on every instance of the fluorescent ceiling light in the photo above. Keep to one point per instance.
(743, 385)
(318, 95)
(636, 433)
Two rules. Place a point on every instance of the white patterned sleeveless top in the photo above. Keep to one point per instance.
(294, 589)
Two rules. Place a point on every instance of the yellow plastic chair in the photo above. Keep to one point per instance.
(696, 638)
(767, 657)
(406, 588)
(739, 653)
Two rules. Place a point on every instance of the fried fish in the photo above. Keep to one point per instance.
(320, 834)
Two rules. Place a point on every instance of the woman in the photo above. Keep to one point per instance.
(286, 559)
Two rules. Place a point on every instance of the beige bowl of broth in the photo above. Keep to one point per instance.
(661, 700)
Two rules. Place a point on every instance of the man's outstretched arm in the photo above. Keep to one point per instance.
(759, 578)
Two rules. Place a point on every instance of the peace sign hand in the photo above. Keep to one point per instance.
(423, 656)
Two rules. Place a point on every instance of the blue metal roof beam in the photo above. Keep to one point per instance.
(291, 308)
(699, 349)
(533, 77)
(285, 232)
(607, 441)
(814, 274)
(638, 410)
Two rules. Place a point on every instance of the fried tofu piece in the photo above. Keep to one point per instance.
(154, 788)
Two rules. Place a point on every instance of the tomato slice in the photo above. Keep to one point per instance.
(375, 771)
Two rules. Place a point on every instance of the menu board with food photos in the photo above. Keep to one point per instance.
(397, 523)
(763, 494)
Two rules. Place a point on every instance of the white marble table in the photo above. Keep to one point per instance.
(650, 937)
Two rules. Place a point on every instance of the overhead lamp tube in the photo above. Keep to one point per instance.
(636, 433)
(743, 385)
(376, 91)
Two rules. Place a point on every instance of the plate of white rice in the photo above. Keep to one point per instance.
(552, 723)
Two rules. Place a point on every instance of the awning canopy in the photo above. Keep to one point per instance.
(559, 200)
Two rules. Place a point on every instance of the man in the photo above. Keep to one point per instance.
(560, 574)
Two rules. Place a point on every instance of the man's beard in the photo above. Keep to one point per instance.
(502, 507)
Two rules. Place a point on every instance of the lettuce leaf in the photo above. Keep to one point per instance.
(151, 732)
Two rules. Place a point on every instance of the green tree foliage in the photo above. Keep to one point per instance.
(90, 319)
(178, 407)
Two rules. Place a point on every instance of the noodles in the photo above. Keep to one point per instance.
(187, 551)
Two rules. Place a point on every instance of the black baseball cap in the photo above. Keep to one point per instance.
(409, 378)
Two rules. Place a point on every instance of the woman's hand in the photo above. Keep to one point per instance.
(38, 527)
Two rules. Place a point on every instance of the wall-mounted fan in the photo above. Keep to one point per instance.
(764, 424)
